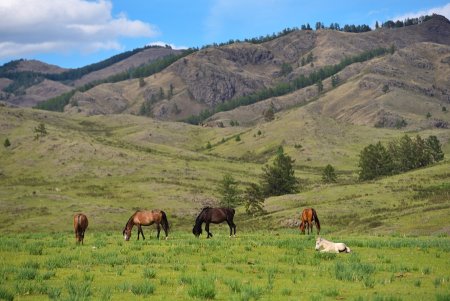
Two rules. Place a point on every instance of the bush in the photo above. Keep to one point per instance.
(7, 143)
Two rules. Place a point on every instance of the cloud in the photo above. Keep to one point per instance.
(443, 10)
(41, 26)
(163, 44)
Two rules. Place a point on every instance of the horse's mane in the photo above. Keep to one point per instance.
(129, 220)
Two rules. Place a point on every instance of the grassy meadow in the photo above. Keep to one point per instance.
(262, 265)
(109, 166)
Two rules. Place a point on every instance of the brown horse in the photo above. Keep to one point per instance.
(309, 216)
(80, 224)
(216, 216)
(146, 218)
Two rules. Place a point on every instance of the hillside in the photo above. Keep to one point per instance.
(114, 164)
(212, 76)
(32, 81)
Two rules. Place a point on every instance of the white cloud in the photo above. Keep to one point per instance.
(443, 10)
(163, 44)
(40, 26)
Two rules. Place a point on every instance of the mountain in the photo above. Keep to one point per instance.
(28, 82)
(210, 77)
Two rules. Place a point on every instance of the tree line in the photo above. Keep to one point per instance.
(400, 155)
(288, 87)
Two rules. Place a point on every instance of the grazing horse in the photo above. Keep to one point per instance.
(146, 218)
(216, 216)
(309, 216)
(333, 247)
(80, 223)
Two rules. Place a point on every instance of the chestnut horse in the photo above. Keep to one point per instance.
(309, 216)
(146, 218)
(216, 216)
(80, 223)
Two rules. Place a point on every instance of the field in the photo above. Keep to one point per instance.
(110, 166)
(263, 265)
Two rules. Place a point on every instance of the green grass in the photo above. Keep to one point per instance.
(224, 268)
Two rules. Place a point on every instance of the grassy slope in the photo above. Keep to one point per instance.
(108, 166)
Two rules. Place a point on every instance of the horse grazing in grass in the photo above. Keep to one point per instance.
(216, 216)
(80, 224)
(308, 217)
(332, 247)
(146, 218)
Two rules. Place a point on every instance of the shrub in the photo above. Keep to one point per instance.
(7, 143)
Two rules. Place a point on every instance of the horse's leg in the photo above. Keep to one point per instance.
(234, 227)
(165, 229)
(158, 229)
(231, 229)
(207, 230)
(142, 233)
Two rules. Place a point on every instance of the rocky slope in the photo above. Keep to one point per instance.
(211, 76)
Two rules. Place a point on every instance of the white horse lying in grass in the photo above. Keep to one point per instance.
(333, 247)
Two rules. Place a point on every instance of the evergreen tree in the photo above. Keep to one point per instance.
(279, 178)
(374, 161)
(40, 131)
(161, 93)
(229, 192)
(254, 200)
(319, 86)
(434, 147)
(334, 80)
(329, 174)
(7, 143)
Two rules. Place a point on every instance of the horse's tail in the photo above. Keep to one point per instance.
(164, 221)
(232, 212)
(316, 219)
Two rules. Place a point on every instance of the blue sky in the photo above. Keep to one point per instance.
(74, 33)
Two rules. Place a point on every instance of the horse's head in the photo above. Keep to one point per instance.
(197, 230)
(318, 243)
(126, 233)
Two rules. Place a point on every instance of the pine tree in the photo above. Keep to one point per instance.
(374, 161)
(434, 147)
(329, 174)
(229, 192)
(279, 178)
(7, 143)
(254, 200)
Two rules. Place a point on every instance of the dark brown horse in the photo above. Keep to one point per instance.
(146, 218)
(216, 216)
(80, 224)
(308, 217)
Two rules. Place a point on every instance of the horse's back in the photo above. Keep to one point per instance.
(147, 217)
(80, 221)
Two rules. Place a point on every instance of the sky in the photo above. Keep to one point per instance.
(75, 33)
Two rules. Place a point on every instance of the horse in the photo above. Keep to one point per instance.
(80, 224)
(307, 218)
(333, 247)
(146, 218)
(216, 216)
